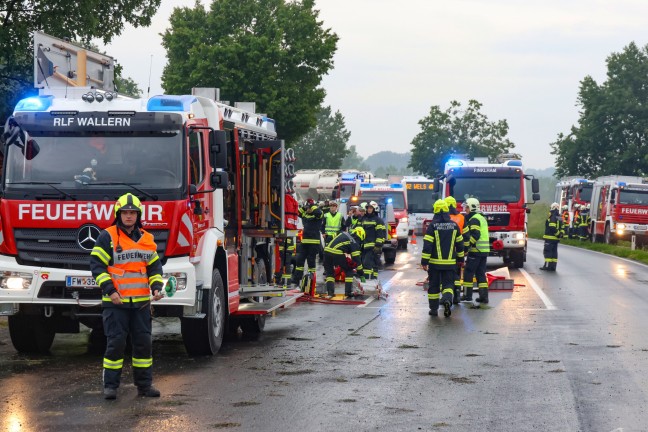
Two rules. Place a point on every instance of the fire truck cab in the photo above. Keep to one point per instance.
(502, 193)
(619, 209)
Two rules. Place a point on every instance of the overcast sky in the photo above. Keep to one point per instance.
(522, 60)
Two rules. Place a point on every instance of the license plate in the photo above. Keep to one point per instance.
(80, 282)
(641, 227)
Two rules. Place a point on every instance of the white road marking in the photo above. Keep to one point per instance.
(548, 303)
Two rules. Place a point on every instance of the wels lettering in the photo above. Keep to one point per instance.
(79, 212)
(637, 211)
(91, 121)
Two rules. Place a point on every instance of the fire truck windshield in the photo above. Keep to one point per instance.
(381, 197)
(633, 197)
(151, 162)
(487, 189)
(420, 201)
(585, 193)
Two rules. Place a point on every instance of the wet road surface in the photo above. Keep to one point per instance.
(565, 351)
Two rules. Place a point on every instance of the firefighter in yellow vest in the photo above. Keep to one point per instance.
(477, 249)
(332, 223)
(125, 264)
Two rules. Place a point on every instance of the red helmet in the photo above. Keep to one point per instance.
(310, 201)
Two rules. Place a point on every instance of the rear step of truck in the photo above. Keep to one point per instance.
(269, 304)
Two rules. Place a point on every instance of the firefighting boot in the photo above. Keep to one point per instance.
(468, 294)
(483, 296)
(544, 267)
(330, 286)
(434, 307)
(457, 294)
(148, 392)
(110, 393)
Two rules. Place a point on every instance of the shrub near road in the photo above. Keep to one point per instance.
(538, 215)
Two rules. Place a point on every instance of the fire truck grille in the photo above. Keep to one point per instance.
(497, 219)
(58, 248)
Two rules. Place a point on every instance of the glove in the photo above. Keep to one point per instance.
(362, 279)
(377, 249)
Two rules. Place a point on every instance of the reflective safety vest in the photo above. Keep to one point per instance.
(128, 272)
(476, 223)
(333, 224)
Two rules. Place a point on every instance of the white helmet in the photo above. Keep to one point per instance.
(577, 206)
(374, 204)
(555, 206)
(588, 206)
(565, 207)
(472, 204)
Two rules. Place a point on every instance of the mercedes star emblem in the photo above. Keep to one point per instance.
(87, 236)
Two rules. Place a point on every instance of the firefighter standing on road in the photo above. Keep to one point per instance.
(335, 254)
(442, 250)
(459, 219)
(125, 264)
(311, 217)
(553, 233)
(477, 248)
(332, 223)
(565, 216)
(374, 228)
(574, 231)
(585, 219)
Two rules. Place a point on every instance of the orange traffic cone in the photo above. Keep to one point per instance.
(413, 240)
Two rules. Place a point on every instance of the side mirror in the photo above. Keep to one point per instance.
(535, 187)
(528, 210)
(436, 184)
(193, 189)
(15, 135)
(219, 180)
(536, 197)
(218, 149)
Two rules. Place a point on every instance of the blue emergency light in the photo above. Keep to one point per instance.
(514, 163)
(396, 185)
(170, 103)
(389, 200)
(622, 184)
(366, 185)
(36, 103)
(454, 163)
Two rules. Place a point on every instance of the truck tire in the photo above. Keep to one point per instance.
(31, 334)
(252, 325)
(608, 236)
(205, 336)
(402, 244)
(390, 256)
(517, 257)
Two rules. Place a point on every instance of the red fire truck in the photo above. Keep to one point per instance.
(619, 209)
(571, 191)
(502, 192)
(212, 179)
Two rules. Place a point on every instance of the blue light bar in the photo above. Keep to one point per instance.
(454, 163)
(170, 103)
(622, 184)
(36, 103)
(366, 185)
(389, 200)
(396, 186)
(514, 163)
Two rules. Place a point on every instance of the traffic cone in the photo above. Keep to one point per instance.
(413, 240)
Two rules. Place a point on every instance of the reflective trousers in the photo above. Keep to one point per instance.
(118, 323)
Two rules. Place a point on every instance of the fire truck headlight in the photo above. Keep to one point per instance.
(518, 236)
(621, 227)
(180, 277)
(15, 280)
(403, 220)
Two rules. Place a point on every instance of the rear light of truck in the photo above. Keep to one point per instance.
(393, 230)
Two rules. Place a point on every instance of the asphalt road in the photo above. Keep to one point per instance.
(565, 352)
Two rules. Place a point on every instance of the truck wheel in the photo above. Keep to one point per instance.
(205, 336)
(390, 257)
(608, 236)
(253, 325)
(517, 258)
(31, 334)
(402, 244)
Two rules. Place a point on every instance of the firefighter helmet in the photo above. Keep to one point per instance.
(555, 206)
(451, 201)
(310, 202)
(359, 233)
(128, 201)
(565, 207)
(472, 204)
(440, 206)
(588, 206)
(375, 206)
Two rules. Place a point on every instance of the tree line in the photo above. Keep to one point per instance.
(275, 53)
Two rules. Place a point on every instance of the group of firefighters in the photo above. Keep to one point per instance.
(353, 244)
(454, 242)
(581, 221)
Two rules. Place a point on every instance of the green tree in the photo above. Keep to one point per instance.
(354, 161)
(457, 131)
(325, 145)
(127, 86)
(272, 52)
(612, 132)
(80, 20)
